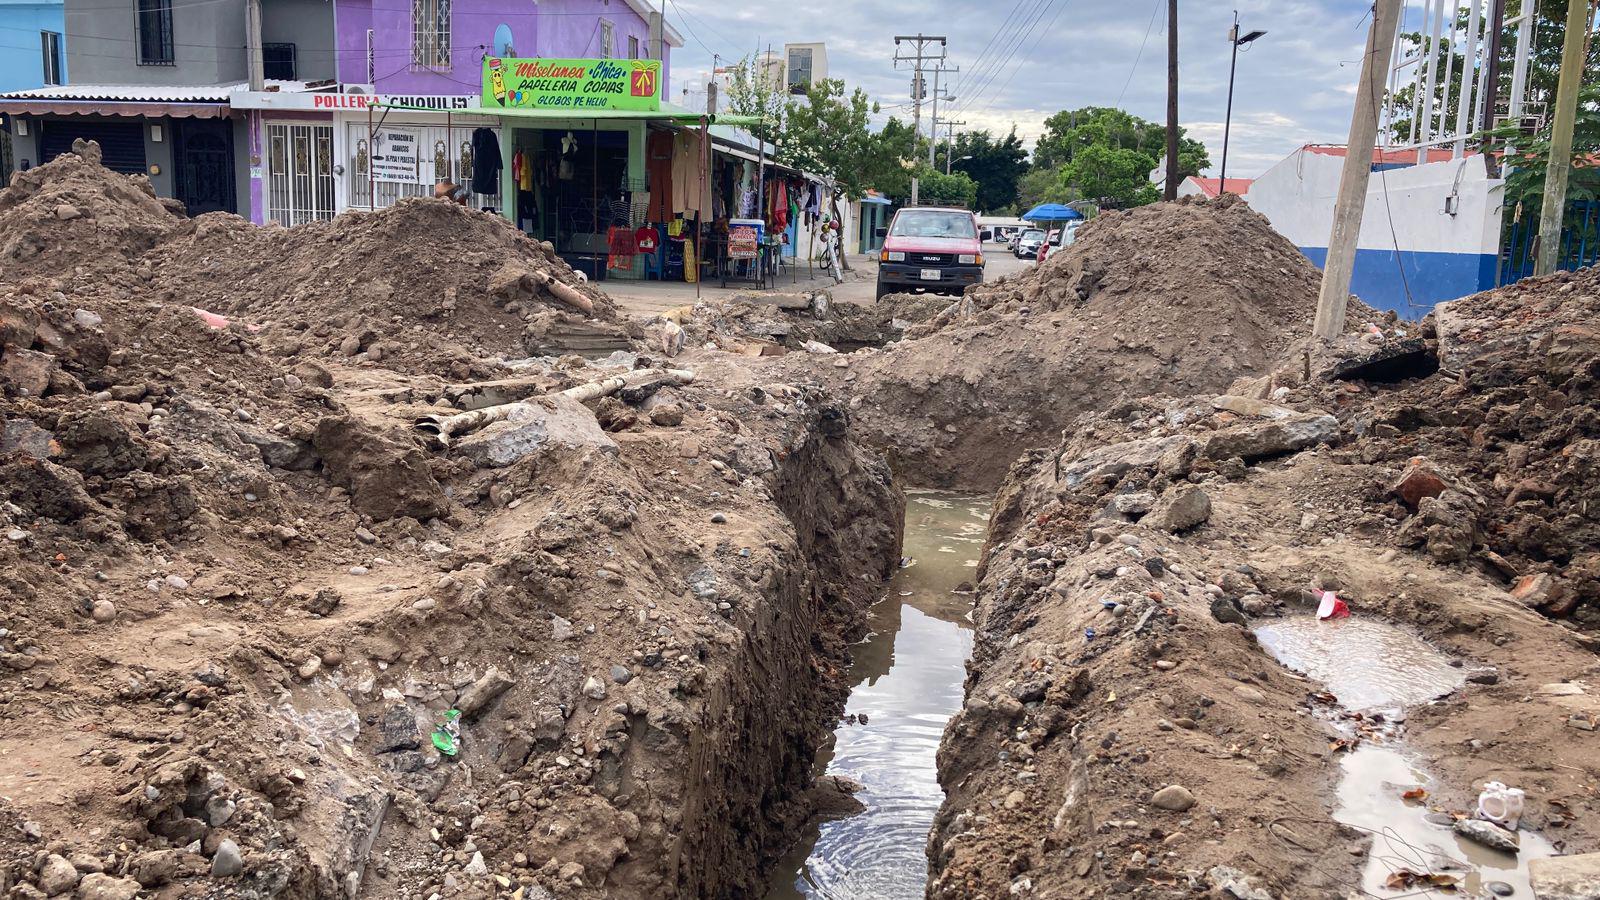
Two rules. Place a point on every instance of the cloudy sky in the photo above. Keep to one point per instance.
(1022, 60)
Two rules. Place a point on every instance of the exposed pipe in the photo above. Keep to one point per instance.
(446, 427)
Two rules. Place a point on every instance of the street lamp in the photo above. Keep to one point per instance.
(958, 159)
(1227, 123)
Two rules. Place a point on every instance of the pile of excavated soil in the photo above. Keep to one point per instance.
(423, 285)
(1127, 564)
(242, 590)
(74, 212)
(1174, 298)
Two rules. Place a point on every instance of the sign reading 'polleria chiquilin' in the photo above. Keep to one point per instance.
(575, 84)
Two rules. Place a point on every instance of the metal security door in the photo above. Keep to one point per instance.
(300, 184)
(203, 149)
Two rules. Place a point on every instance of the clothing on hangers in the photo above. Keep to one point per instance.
(486, 161)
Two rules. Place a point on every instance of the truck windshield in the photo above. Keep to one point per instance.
(933, 224)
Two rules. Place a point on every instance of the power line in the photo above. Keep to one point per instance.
(1030, 22)
(977, 64)
(1156, 8)
(1025, 57)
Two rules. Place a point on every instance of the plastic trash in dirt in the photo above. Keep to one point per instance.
(1331, 607)
(447, 734)
(1501, 805)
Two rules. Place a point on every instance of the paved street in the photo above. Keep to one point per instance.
(644, 298)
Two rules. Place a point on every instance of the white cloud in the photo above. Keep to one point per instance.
(1293, 86)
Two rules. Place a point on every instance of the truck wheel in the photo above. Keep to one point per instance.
(882, 291)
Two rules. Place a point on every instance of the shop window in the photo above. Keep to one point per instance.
(277, 61)
(607, 39)
(430, 34)
(50, 49)
(155, 32)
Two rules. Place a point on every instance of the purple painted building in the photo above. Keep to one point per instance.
(310, 152)
(439, 48)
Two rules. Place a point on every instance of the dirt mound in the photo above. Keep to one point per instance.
(1175, 298)
(73, 211)
(1128, 563)
(423, 285)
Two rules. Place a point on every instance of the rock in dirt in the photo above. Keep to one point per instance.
(483, 692)
(1256, 442)
(1488, 834)
(1173, 797)
(227, 861)
(386, 478)
(1180, 508)
(100, 886)
(57, 876)
(1575, 877)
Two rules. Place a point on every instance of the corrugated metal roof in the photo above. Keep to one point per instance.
(146, 93)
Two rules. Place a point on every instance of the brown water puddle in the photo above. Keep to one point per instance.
(907, 681)
(1371, 666)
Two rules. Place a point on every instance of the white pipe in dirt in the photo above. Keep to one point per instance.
(446, 427)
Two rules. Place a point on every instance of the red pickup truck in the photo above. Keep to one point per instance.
(932, 249)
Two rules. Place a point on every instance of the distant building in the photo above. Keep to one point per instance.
(804, 65)
(33, 33)
(1195, 186)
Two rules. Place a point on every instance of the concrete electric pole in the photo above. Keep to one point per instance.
(934, 118)
(255, 65)
(1553, 212)
(1352, 198)
(1171, 192)
(918, 83)
(950, 143)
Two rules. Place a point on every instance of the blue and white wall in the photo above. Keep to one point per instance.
(1430, 233)
(21, 53)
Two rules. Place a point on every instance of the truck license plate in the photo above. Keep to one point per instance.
(930, 274)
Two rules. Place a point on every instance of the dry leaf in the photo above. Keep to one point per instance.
(1414, 794)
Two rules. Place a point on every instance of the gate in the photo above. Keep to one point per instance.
(203, 153)
(300, 185)
(1580, 242)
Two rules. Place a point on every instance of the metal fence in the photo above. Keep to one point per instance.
(1580, 242)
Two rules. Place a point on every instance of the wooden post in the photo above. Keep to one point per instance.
(1553, 212)
(1171, 192)
(1352, 199)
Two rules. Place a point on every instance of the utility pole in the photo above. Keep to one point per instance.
(1171, 192)
(1352, 198)
(918, 85)
(1553, 213)
(255, 66)
(950, 144)
(934, 119)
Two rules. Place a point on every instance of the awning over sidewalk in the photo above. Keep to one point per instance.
(677, 116)
(114, 108)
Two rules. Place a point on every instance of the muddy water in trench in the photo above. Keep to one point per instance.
(1373, 666)
(907, 681)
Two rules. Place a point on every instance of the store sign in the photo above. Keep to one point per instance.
(743, 241)
(396, 156)
(575, 84)
(328, 101)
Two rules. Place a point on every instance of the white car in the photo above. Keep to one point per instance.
(1060, 238)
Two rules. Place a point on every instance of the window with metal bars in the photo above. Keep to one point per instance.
(277, 61)
(607, 39)
(155, 32)
(50, 48)
(430, 34)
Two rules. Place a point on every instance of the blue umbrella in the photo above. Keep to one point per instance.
(1051, 212)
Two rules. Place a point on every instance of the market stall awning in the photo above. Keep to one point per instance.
(1051, 212)
(679, 116)
(115, 108)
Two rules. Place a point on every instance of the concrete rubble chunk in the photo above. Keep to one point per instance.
(555, 421)
(1250, 406)
(1418, 482)
(100, 886)
(1180, 508)
(1117, 458)
(28, 371)
(57, 876)
(1274, 438)
(482, 692)
(1574, 877)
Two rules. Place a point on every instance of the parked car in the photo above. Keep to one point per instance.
(930, 248)
(1061, 238)
(1027, 246)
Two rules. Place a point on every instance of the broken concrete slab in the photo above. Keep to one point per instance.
(1389, 361)
(1180, 508)
(1250, 406)
(27, 371)
(1566, 877)
(1276, 438)
(553, 421)
(1118, 458)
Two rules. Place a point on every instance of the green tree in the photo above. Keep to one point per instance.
(1112, 177)
(995, 164)
(826, 132)
(1038, 186)
(751, 92)
(1069, 132)
(1524, 193)
(956, 189)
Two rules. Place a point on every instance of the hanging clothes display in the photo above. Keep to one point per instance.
(778, 214)
(486, 161)
(621, 244)
(660, 169)
(688, 195)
